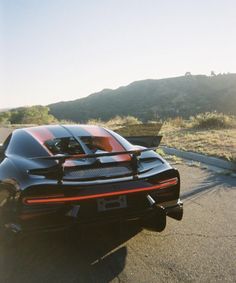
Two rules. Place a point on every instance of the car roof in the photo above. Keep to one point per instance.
(27, 141)
(43, 133)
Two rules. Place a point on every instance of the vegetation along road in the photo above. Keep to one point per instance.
(200, 248)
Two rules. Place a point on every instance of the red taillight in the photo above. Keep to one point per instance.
(62, 199)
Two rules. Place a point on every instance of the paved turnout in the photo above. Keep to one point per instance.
(200, 248)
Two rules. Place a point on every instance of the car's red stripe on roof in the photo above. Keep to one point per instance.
(41, 134)
(100, 132)
(95, 130)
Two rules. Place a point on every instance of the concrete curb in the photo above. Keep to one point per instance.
(214, 161)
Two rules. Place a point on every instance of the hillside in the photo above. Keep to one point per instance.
(148, 99)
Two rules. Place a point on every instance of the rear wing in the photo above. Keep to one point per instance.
(58, 170)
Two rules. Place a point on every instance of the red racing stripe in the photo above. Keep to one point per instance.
(41, 134)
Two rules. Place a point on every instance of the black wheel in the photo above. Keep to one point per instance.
(156, 221)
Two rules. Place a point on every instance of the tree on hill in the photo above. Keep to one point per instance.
(28, 115)
(4, 117)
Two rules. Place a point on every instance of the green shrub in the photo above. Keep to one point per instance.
(118, 121)
(28, 115)
(97, 122)
(67, 122)
(177, 122)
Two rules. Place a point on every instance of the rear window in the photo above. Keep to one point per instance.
(66, 145)
(87, 144)
(84, 144)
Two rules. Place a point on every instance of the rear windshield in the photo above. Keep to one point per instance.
(67, 145)
(84, 144)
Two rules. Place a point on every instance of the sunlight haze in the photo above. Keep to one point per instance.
(56, 50)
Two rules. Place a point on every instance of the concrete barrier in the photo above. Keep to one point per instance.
(214, 161)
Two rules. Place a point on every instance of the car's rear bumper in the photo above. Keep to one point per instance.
(80, 205)
(62, 222)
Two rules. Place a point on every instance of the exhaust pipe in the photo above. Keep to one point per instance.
(175, 212)
(156, 221)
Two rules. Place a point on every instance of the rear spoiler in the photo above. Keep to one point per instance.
(61, 158)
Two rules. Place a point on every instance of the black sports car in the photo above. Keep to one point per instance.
(57, 176)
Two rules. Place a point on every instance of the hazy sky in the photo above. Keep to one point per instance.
(53, 50)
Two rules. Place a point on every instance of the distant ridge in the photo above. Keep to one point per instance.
(150, 99)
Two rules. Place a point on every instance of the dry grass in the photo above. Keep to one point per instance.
(212, 120)
(219, 143)
(140, 130)
(116, 122)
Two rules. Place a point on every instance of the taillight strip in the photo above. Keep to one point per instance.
(47, 200)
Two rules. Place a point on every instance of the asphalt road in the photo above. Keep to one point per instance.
(4, 132)
(200, 248)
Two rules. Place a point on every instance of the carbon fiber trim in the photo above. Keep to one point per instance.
(91, 173)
